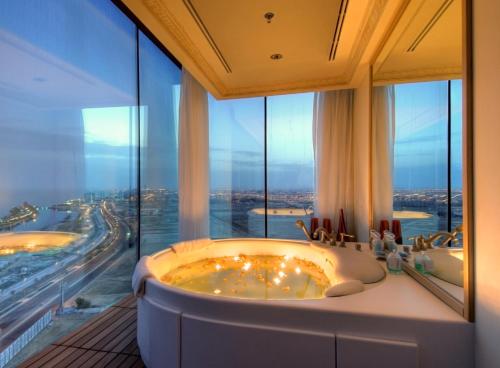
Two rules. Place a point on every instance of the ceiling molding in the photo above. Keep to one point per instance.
(407, 76)
(201, 25)
(385, 52)
(372, 18)
(283, 88)
(392, 25)
(169, 23)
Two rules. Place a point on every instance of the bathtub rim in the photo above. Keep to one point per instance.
(315, 246)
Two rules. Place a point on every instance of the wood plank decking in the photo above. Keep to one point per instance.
(108, 340)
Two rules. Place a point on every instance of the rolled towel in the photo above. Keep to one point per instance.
(143, 270)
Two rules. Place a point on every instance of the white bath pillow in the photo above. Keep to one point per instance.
(343, 288)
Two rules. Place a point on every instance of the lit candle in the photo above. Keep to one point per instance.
(297, 270)
(277, 280)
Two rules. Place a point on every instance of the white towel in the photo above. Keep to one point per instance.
(143, 270)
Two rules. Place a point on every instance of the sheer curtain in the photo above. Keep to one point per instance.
(332, 139)
(382, 154)
(193, 160)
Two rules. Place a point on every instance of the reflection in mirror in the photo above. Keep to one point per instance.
(417, 142)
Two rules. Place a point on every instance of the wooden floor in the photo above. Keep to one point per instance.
(108, 340)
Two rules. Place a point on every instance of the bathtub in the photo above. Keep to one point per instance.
(180, 327)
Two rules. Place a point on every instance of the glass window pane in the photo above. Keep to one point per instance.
(456, 153)
(421, 157)
(290, 163)
(159, 98)
(236, 168)
(67, 208)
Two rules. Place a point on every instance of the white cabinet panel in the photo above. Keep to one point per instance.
(361, 352)
(215, 344)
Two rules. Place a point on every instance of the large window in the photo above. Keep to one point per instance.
(159, 88)
(290, 163)
(427, 157)
(86, 101)
(237, 179)
(456, 153)
(261, 166)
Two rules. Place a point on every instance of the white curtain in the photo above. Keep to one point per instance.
(382, 153)
(332, 139)
(193, 160)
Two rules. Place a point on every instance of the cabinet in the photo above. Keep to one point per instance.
(363, 352)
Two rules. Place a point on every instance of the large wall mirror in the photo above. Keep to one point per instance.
(420, 145)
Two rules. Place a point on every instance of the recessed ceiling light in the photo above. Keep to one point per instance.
(269, 16)
(276, 56)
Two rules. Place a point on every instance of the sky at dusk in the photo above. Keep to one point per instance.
(420, 150)
(69, 116)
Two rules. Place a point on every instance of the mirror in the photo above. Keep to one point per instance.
(420, 134)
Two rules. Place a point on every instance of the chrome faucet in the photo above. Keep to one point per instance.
(342, 239)
(458, 229)
(325, 236)
(429, 242)
(421, 243)
(418, 243)
(300, 224)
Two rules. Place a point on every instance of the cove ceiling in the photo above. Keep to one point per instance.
(326, 44)
(227, 44)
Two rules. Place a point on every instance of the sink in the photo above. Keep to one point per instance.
(448, 264)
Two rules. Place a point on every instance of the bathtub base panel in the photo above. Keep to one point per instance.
(355, 352)
(215, 344)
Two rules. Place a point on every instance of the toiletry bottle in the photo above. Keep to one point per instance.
(396, 230)
(374, 235)
(377, 244)
(428, 264)
(389, 241)
(419, 262)
(394, 262)
(405, 253)
(327, 224)
(314, 226)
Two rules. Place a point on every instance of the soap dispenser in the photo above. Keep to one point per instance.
(394, 262)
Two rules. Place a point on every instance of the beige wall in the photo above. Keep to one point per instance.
(486, 32)
(361, 139)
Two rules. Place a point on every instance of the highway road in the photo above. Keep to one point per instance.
(17, 317)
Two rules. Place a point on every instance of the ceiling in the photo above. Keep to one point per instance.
(227, 45)
(426, 44)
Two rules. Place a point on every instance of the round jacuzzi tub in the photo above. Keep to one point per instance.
(237, 281)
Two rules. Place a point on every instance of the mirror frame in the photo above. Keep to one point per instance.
(465, 309)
